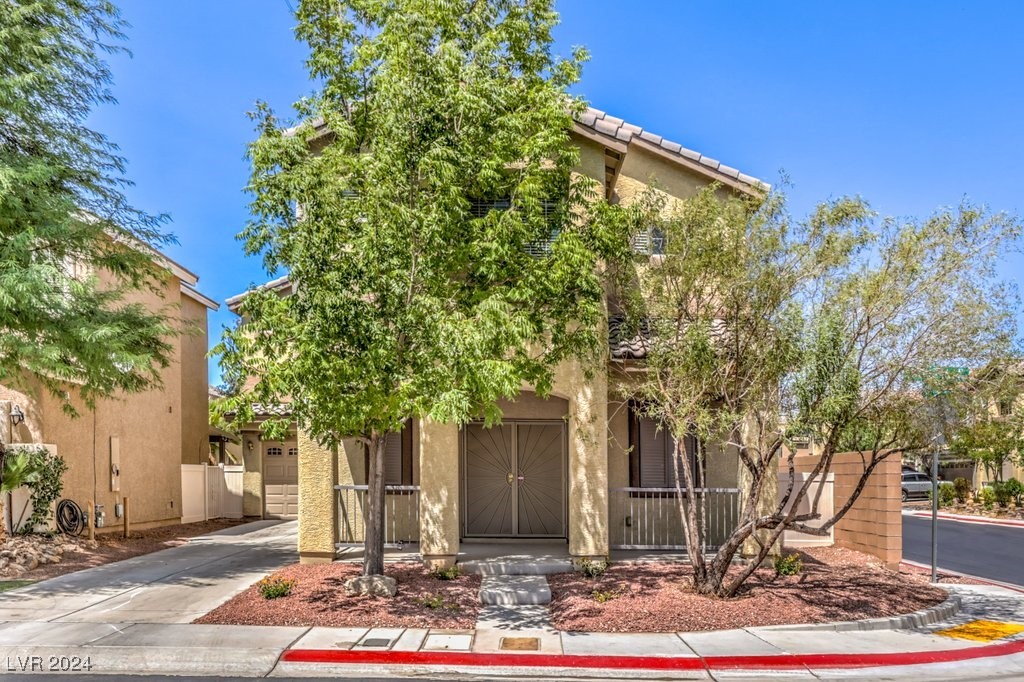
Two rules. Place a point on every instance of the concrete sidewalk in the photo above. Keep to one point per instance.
(135, 617)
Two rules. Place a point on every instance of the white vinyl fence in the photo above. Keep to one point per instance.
(210, 492)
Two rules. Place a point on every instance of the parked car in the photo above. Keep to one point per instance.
(915, 484)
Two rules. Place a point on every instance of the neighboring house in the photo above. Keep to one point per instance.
(133, 445)
(579, 468)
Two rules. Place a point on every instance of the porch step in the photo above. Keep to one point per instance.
(512, 590)
(517, 566)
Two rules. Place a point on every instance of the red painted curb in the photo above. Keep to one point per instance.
(962, 518)
(770, 662)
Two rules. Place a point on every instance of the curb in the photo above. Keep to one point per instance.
(710, 663)
(948, 572)
(963, 518)
(917, 619)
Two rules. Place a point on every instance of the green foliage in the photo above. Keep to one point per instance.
(987, 496)
(438, 601)
(591, 568)
(604, 596)
(788, 565)
(1002, 494)
(947, 493)
(449, 573)
(46, 488)
(446, 250)
(962, 489)
(1015, 489)
(19, 468)
(276, 586)
(71, 246)
(991, 441)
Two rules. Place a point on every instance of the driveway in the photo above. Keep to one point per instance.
(175, 585)
(987, 551)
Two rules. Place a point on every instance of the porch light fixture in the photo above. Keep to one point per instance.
(17, 416)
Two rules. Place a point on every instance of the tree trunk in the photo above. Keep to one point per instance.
(688, 510)
(373, 552)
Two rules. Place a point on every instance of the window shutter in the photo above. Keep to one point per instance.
(655, 468)
(393, 459)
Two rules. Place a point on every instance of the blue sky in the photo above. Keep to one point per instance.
(912, 105)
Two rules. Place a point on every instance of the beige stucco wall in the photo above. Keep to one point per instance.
(148, 426)
(195, 393)
(318, 519)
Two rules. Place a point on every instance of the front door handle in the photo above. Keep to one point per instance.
(509, 478)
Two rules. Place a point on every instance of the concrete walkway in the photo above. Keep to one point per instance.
(134, 617)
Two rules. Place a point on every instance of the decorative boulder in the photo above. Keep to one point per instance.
(372, 585)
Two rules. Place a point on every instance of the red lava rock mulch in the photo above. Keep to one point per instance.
(319, 599)
(834, 585)
(110, 547)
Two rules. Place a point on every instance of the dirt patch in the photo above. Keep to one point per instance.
(834, 585)
(79, 553)
(319, 599)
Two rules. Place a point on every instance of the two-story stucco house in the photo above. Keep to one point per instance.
(130, 445)
(578, 468)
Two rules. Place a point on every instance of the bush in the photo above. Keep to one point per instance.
(602, 597)
(274, 586)
(987, 497)
(591, 568)
(450, 573)
(437, 601)
(947, 493)
(1016, 490)
(962, 488)
(45, 489)
(788, 565)
(1001, 493)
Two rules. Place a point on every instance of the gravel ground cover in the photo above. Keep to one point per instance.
(835, 585)
(77, 553)
(319, 598)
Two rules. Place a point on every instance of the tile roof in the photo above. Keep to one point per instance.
(615, 128)
(626, 347)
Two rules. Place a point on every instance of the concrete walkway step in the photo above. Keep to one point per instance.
(517, 566)
(511, 590)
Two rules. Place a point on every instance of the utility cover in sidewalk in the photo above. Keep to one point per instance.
(380, 641)
(982, 630)
(520, 644)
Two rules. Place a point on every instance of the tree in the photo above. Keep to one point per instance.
(443, 251)
(71, 246)
(991, 442)
(763, 328)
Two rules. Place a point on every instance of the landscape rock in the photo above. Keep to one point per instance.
(372, 585)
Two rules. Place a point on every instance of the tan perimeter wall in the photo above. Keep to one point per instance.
(874, 524)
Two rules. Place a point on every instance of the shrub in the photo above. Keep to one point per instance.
(450, 573)
(962, 488)
(45, 488)
(788, 565)
(437, 601)
(1015, 489)
(987, 497)
(947, 493)
(604, 596)
(1001, 493)
(591, 568)
(274, 586)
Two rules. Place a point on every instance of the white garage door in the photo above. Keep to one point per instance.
(281, 480)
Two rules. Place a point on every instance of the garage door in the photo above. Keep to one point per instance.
(281, 480)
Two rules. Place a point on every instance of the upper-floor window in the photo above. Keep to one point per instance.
(650, 242)
(539, 248)
(1005, 407)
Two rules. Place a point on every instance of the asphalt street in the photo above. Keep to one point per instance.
(994, 552)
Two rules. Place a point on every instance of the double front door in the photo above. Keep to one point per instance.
(514, 480)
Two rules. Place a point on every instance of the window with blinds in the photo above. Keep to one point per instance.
(651, 454)
(479, 208)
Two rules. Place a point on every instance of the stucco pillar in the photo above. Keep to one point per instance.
(588, 460)
(439, 493)
(766, 504)
(5, 422)
(252, 476)
(318, 513)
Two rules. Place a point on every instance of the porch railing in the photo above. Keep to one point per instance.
(401, 514)
(649, 518)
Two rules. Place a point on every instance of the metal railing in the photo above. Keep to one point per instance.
(401, 514)
(649, 518)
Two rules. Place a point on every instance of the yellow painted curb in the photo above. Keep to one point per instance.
(982, 630)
